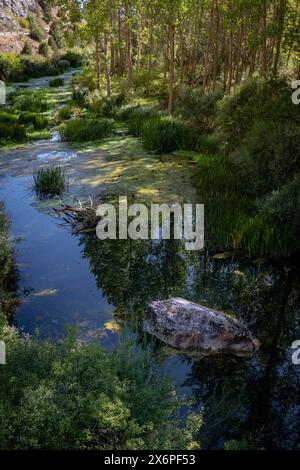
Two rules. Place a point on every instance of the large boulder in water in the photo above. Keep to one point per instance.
(193, 328)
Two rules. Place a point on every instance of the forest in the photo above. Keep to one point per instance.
(164, 101)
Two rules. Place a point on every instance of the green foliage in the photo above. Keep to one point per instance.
(27, 48)
(164, 134)
(7, 116)
(199, 107)
(64, 114)
(85, 130)
(38, 121)
(10, 65)
(73, 56)
(56, 82)
(44, 49)
(259, 99)
(137, 118)
(23, 22)
(56, 33)
(8, 274)
(32, 101)
(36, 29)
(11, 132)
(283, 207)
(233, 221)
(78, 396)
(50, 181)
(236, 445)
(107, 106)
(271, 157)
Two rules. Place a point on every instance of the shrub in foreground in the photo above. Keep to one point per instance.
(85, 130)
(38, 121)
(79, 396)
(164, 134)
(11, 132)
(31, 102)
(50, 182)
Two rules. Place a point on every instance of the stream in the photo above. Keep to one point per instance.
(102, 287)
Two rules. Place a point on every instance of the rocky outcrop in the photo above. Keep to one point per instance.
(193, 328)
(19, 7)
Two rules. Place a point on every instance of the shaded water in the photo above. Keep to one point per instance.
(104, 286)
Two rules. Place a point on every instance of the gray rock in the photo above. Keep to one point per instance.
(196, 329)
(19, 7)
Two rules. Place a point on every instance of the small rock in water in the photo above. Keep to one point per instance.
(193, 328)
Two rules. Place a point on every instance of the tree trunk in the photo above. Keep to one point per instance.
(172, 69)
(97, 55)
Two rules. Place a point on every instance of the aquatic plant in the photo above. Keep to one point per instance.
(38, 121)
(85, 130)
(50, 181)
(56, 82)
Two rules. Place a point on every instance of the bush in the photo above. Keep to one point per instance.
(79, 396)
(11, 132)
(50, 182)
(63, 114)
(38, 121)
(36, 29)
(56, 82)
(107, 107)
(271, 157)
(84, 130)
(6, 117)
(31, 102)
(56, 33)
(164, 134)
(259, 99)
(10, 65)
(283, 206)
(8, 274)
(74, 57)
(138, 118)
(44, 49)
(27, 49)
(199, 107)
(23, 22)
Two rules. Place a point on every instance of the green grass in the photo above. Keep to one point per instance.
(50, 181)
(56, 82)
(87, 130)
(36, 120)
(8, 274)
(11, 132)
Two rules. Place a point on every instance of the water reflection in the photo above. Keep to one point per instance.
(256, 398)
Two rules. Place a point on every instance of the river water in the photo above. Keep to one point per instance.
(103, 287)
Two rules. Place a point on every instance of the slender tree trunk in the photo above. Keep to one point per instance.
(281, 17)
(181, 59)
(264, 64)
(107, 74)
(172, 68)
(97, 56)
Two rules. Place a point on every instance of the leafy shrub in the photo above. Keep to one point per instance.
(79, 396)
(73, 56)
(10, 65)
(23, 22)
(210, 144)
(64, 114)
(124, 114)
(271, 157)
(50, 181)
(11, 132)
(44, 49)
(198, 106)
(27, 48)
(164, 134)
(36, 29)
(84, 130)
(283, 206)
(38, 121)
(56, 33)
(56, 82)
(107, 107)
(259, 99)
(8, 274)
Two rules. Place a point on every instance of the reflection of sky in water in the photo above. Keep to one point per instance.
(56, 155)
(49, 258)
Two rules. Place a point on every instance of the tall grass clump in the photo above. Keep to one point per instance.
(85, 130)
(56, 82)
(8, 273)
(49, 181)
(32, 102)
(138, 118)
(164, 134)
(38, 121)
(11, 132)
(7, 116)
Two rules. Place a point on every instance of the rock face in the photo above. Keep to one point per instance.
(19, 7)
(192, 328)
